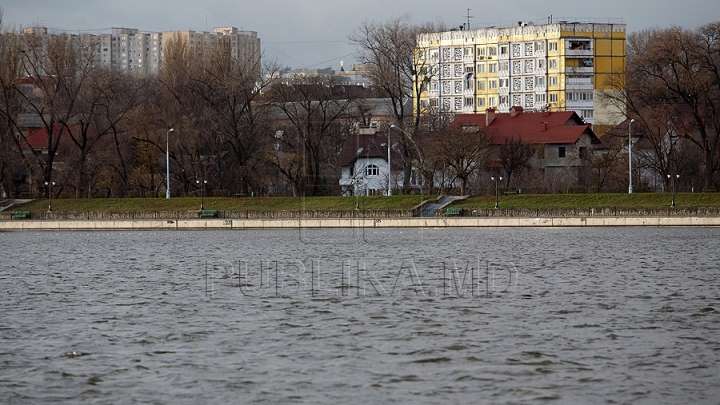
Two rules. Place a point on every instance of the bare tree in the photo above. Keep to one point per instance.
(314, 122)
(678, 71)
(464, 152)
(514, 156)
(390, 48)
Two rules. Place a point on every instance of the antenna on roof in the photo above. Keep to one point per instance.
(468, 20)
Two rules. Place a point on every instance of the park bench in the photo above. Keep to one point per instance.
(453, 211)
(208, 213)
(21, 214)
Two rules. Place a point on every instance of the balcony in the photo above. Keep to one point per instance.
(580, 70)
(579, 81)
(469, 59)
(578, 53)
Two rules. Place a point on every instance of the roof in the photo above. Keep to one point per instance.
(561, 127)
(364, 146)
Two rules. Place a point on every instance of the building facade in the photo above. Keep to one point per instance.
(129, 50)
(555, 67)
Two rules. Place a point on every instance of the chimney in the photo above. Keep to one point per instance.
(543, 126)
(515, 110)
(489, 116)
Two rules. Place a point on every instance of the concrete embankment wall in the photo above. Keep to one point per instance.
(432, 222)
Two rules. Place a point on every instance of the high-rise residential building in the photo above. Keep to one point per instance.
(557, 67)
(132, 51)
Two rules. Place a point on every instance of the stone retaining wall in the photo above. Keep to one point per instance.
(417, 222)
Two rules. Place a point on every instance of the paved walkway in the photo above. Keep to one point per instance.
(13, 202)
(430, 209)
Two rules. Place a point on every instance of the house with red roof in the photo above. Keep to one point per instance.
(559, 138)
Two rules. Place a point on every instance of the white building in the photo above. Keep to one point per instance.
(364, 160)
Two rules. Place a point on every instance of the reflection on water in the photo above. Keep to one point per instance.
(352, 316)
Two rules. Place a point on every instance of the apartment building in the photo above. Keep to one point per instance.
(141, 53)
(561, 66)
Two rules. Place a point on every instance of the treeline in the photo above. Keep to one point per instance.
(671, 91)
(100, 132)
(242, 128)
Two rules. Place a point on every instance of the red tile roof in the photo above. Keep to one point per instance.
(531, 127)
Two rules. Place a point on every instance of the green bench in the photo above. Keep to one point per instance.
(21, 214)
(208, 213)
(453, 211)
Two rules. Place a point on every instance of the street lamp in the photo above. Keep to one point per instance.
(357, 182)
(672, 187)
(202, 198)
(49, 186)
(389, 192)
(630, 154)
(496, 179)
(167, 160)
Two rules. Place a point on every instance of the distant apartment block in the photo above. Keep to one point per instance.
(561, 66)
(141, 53)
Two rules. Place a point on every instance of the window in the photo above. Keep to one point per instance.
(553, 46)
(492, 67)
(457, 53)
(469, 101)
(553, 98)
(468, 51)
(492, 51)
(372, 170)
(540, 81)
(492, 84)
(561, 152)
(492, 101)
(481, 85)
(481, 68)
(481, 51)
(553, 64)
(553, 80)
(540, 98)
(587, 114)
(505, 83)
(481, 101)
(504, 50)
(541, 64)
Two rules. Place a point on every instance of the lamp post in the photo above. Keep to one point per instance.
(167, 160)
(357, 182)
(202, 197)
(496, 179)
(630, 154)
(49, 185)
(673, 180)
(389, 192)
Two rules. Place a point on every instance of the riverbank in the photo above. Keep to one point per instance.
(321, 223)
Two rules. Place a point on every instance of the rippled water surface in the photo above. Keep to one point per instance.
(601, 315)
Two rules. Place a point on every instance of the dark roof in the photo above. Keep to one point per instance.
(364, 145)
(532, 127)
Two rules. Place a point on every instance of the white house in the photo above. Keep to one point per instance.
(364, 161)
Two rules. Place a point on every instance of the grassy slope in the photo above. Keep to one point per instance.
(374, 202)
(220, 203)
(637, 200)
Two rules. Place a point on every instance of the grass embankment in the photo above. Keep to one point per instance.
(403, 202)
(549, 201)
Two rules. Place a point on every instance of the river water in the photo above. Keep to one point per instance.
(426, 316)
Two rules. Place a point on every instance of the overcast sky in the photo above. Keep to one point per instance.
(313, 33)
